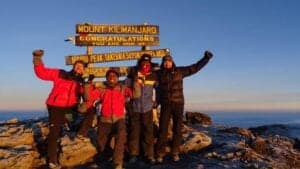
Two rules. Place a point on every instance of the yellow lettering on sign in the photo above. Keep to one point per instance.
(101, 71)
(90, 28)
(115, 56)
(116, 40)
(117, 29)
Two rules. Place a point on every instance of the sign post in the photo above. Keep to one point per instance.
(91, 35)
(115, 56)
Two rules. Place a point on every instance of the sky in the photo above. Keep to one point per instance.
(255, 45)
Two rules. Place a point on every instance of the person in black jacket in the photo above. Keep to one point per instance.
(171, 99)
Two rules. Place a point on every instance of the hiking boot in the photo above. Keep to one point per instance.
(133, 159)
(151, 160)
(176, 158)
(118, 166)
(159, 159)
(54, 166)
(82, 138)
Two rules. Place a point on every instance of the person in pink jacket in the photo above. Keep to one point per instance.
(63, 98)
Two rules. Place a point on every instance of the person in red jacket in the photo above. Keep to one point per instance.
(88, 108)
(112, 97)
(62, 99)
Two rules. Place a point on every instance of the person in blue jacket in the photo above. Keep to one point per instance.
(143, 82)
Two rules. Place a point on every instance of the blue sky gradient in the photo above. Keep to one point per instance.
(255, 45)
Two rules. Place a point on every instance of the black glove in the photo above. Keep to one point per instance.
(38, 53)
(37, 56)
(208, 54)
(91, 78)
(155, 105)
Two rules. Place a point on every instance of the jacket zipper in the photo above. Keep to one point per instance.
(111, 106)
(142, 99)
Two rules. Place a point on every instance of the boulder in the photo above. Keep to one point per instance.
(19, 158)
(271, 130)
(195, 141)
(23, 145)
(260, 145)
(15, 135)
(198, 118)
(76, 152)
(240, 131)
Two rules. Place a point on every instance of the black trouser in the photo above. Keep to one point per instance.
(176, 112)
(141, 132)
(57, 120)
(87, 122)
(119, 130)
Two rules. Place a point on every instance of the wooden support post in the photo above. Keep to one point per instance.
(89, 51)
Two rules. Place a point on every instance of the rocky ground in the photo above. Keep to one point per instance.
(207, 146)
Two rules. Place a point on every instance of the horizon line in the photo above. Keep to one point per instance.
(185, 110)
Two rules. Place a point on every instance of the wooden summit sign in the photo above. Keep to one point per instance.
(116, 35)
(140, 35)
(115, 56)
(88, 40)
(101, 71)
(117, 29)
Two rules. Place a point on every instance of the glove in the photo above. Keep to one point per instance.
(208, 54)
(155, 105)
(91, 78)
(38, 53)
(37, 56)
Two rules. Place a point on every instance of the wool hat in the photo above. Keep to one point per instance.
(145, 57)
(112, 70)
(80, 62)
(167, 57)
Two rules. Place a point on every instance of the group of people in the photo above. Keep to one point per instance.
(146, 86)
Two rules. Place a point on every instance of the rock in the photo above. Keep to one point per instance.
(249, 155)
(19, 158)
(271, 130)
(195, 141)
(200, 166)
(40, 129)
(240, 131)
(8, 131)
(230, 155)
(76, 152)
(23, 145)
(11, 136)
(12, 121)
(297, 144)
(198, 118)
(259, 145)
(259, 151)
